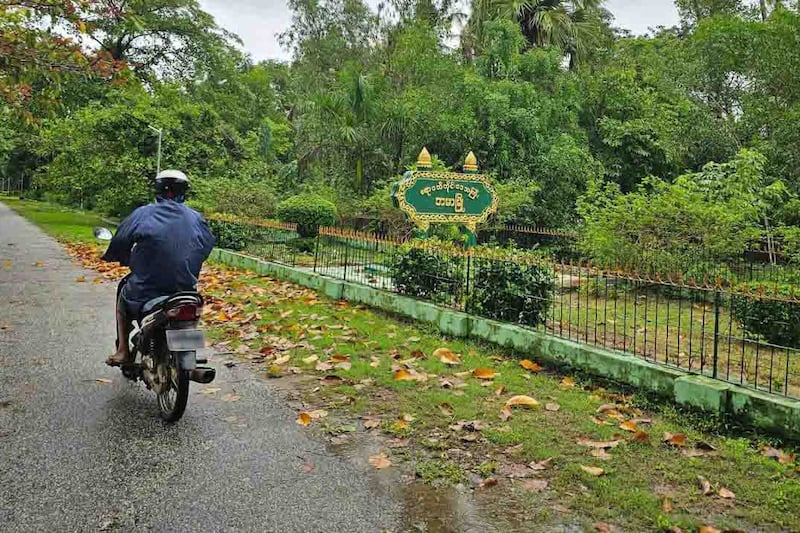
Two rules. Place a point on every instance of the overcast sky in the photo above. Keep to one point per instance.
(258, 21)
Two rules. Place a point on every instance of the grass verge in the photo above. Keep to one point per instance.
(583, 454)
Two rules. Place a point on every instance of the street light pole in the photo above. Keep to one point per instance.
(160, 135)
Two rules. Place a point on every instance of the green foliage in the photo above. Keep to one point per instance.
(511, 291)
(308, 212)
(232, 235)
(424, 273)
(774, 319)
(707, 216)
(245, 197)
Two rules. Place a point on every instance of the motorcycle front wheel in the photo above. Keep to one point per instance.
(172, 402)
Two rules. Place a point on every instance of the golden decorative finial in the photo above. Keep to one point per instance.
(424, 160)
(471, 163)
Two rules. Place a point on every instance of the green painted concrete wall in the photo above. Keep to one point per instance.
(767, 411)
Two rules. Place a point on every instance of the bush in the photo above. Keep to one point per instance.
(511, 292)
(246, 198)
(231, 235)
(429, 275)
(309, 212)
(777, 321)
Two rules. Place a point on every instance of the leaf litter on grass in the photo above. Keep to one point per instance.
(236, 316)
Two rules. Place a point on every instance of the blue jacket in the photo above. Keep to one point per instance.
(164, 244)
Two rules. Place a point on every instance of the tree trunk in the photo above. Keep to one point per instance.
(763, 5)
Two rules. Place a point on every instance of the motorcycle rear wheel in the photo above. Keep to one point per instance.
(172, 402)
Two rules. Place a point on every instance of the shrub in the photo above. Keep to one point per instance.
(423, 273)
(511, 291)
(309, 212)
(231, 235)
(246, 198)
(777, 321)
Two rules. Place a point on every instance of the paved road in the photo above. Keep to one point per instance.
(78, 455)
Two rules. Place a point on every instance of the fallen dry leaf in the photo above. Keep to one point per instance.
(705, 485)
(593, 470)
(568, 382)
(552, 407)
(601, 454)
(726, 493)
(530, 365)
(629, 426)
(311, 359)
(779, 455)
(505, 413)
(446, 409)
(400, 424)
(499, 390)
(708, 529)
(380, 461)
(104, 381)
(522, 401)
(666, 506)
(210, 390)
(304, 419)
(599, 444)
(483, 373)
(403, 375)
(308, 467)
(231, 397)
(282, 360)
(538, 466)
(678, 439)
(489, 482)
(447, 356)
(641, 436)
(80, 279)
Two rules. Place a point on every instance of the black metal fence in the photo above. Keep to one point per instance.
(748, 337)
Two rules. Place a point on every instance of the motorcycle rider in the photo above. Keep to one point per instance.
(164, 244)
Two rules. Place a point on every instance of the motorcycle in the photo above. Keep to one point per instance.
(163, 342)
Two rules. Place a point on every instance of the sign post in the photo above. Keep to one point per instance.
(430, 197)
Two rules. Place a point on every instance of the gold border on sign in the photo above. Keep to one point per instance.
(423, 221)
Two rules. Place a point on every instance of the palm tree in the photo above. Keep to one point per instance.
(570, 25)
(346, 113)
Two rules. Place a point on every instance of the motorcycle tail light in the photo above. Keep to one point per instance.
(184, 312)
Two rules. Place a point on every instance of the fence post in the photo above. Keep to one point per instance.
(717, 305)
(346, 249)
(466, 288)
(316, 252)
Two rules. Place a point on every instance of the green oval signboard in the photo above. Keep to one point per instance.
(430, 197)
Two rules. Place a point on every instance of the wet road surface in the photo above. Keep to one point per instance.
(80, 455)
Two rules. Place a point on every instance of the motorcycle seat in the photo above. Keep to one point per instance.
(153, 304)
(158, 303)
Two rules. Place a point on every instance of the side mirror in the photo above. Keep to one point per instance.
(103, 234)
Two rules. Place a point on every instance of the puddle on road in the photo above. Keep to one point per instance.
(433, 509)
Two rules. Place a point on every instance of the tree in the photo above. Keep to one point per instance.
(168, 38)
(39, 53)
(569, 25)
(709, 216)
(693, 11)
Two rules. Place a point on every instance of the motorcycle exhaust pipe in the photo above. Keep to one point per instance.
(203, 375)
